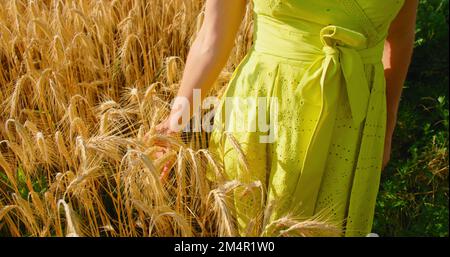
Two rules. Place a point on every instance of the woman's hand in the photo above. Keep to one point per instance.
(390, 127)
(164, 129)
(387, 149)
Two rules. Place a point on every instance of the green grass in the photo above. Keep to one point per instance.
(413, 198)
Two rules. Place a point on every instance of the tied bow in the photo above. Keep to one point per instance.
(340, 63)
(340, 67)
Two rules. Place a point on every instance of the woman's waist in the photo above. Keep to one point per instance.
(305, 42)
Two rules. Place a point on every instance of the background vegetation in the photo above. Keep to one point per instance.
(413, 199)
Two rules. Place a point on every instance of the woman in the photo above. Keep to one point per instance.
(332, 72)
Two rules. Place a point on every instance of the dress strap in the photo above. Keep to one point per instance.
(354, 10)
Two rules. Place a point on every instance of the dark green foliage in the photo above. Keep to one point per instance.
(413, 198)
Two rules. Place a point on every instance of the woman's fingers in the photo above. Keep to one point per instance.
(163, 147)
(160, 153)
(387, 152)
(166, 170)
(161, 128)
(164, 173)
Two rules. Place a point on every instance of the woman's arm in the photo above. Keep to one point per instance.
(396, 59)
(207, 56)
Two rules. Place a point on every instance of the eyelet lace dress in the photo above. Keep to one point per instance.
(317, 65)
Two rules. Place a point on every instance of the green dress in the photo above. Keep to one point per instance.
(316, 70)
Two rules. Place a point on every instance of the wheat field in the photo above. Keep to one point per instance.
(81, 83)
